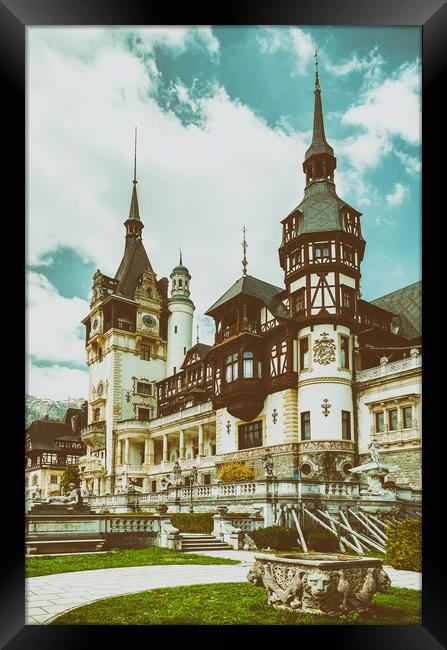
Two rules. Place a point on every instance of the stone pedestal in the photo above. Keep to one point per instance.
(319, 583)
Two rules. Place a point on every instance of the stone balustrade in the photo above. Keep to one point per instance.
(190, 412)
(392, 368)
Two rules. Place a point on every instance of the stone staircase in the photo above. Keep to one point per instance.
(201, 542)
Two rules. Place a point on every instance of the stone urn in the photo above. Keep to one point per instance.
(319, 583)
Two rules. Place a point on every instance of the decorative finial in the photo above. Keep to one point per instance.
(135, 159)
(180, 250)
(317, 80)
(197, 326)
(244, 247)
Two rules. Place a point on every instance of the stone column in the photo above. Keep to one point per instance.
(119, 452)
(146, 451)
(146, 484)
(165, 448)
(151, 447)
(126, 451)
(201, 440)
(182, 445)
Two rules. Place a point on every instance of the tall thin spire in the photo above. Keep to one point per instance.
(197, 326)
(319, 143)
(180, 259)
(244, 248)
(134, 212)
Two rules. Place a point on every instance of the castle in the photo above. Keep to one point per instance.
(309, 371)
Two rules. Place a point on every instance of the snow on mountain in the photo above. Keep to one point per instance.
(37, 408)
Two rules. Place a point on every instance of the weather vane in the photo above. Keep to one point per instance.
(197, 332)
(317, 81)
(244, 247)
(135, 159)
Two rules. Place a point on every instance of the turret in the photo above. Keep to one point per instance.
(181, 310)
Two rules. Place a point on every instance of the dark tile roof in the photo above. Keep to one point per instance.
(200, 348)
(406, 303)
(320, 209)
(134, 262)
(263, 291)
(43, 433)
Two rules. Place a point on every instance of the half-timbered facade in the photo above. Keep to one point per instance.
(309, 370)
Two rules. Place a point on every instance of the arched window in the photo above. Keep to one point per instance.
(248, 365)
(180, 282)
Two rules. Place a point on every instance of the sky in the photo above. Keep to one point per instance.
(224, 116)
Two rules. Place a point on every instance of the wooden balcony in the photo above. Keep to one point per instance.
(243, 398)
(243, 327)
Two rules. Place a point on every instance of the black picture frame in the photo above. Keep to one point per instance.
(431, 15)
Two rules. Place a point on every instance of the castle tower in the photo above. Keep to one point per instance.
(126, 355)
(181, 310)
(321, 251)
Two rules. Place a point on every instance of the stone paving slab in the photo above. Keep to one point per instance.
(49, 596)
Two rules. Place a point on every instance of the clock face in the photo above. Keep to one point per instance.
(100, 389)
(95, 323)
(149, 320)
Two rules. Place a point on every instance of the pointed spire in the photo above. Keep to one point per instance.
(197, 326)
(134, 212)
(244, 247)
(180, 260)
(319, 143)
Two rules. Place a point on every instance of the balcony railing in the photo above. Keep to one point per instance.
(389, 368)
(119, 324)
(133, 425)
(233, 330)
(94, 427)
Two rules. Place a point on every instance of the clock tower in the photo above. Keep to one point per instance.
(126, 349)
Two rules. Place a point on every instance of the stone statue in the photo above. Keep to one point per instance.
(249, 544)
(375, 450)
(267, 464)
(37, 493)
(177, 472)
(72, 496)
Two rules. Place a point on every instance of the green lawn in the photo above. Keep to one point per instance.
(42, 566)
(231, 604)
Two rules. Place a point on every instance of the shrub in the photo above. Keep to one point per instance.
(322, 541)
(404, 545)
(70, 475)
(193, 522)
(275, 537)
(234, 472)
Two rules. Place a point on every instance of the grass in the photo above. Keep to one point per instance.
(43, 566)
(232, 604)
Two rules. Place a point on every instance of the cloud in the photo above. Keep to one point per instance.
(391, 108)
(53, 322)
(56, 382)
(289, 39)
(412, 165)
(395, 198)
(371, 64)
(197, 184)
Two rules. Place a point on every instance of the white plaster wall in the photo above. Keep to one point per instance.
(310, 396)
(347, 280)
(181, 315)
(390, 387)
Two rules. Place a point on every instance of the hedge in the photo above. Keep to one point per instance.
(404, 544)
(193, 522)
(198, 522)
(322, 541)
(277, 538)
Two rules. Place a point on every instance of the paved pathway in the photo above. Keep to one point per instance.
(49, 596)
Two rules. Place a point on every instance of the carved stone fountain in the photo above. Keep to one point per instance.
(319, 583)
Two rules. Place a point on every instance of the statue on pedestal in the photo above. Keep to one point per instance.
(267, 464)
(177, 472)
(374, 451)
(72, 497)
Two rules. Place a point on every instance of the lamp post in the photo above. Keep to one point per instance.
(192, 482)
